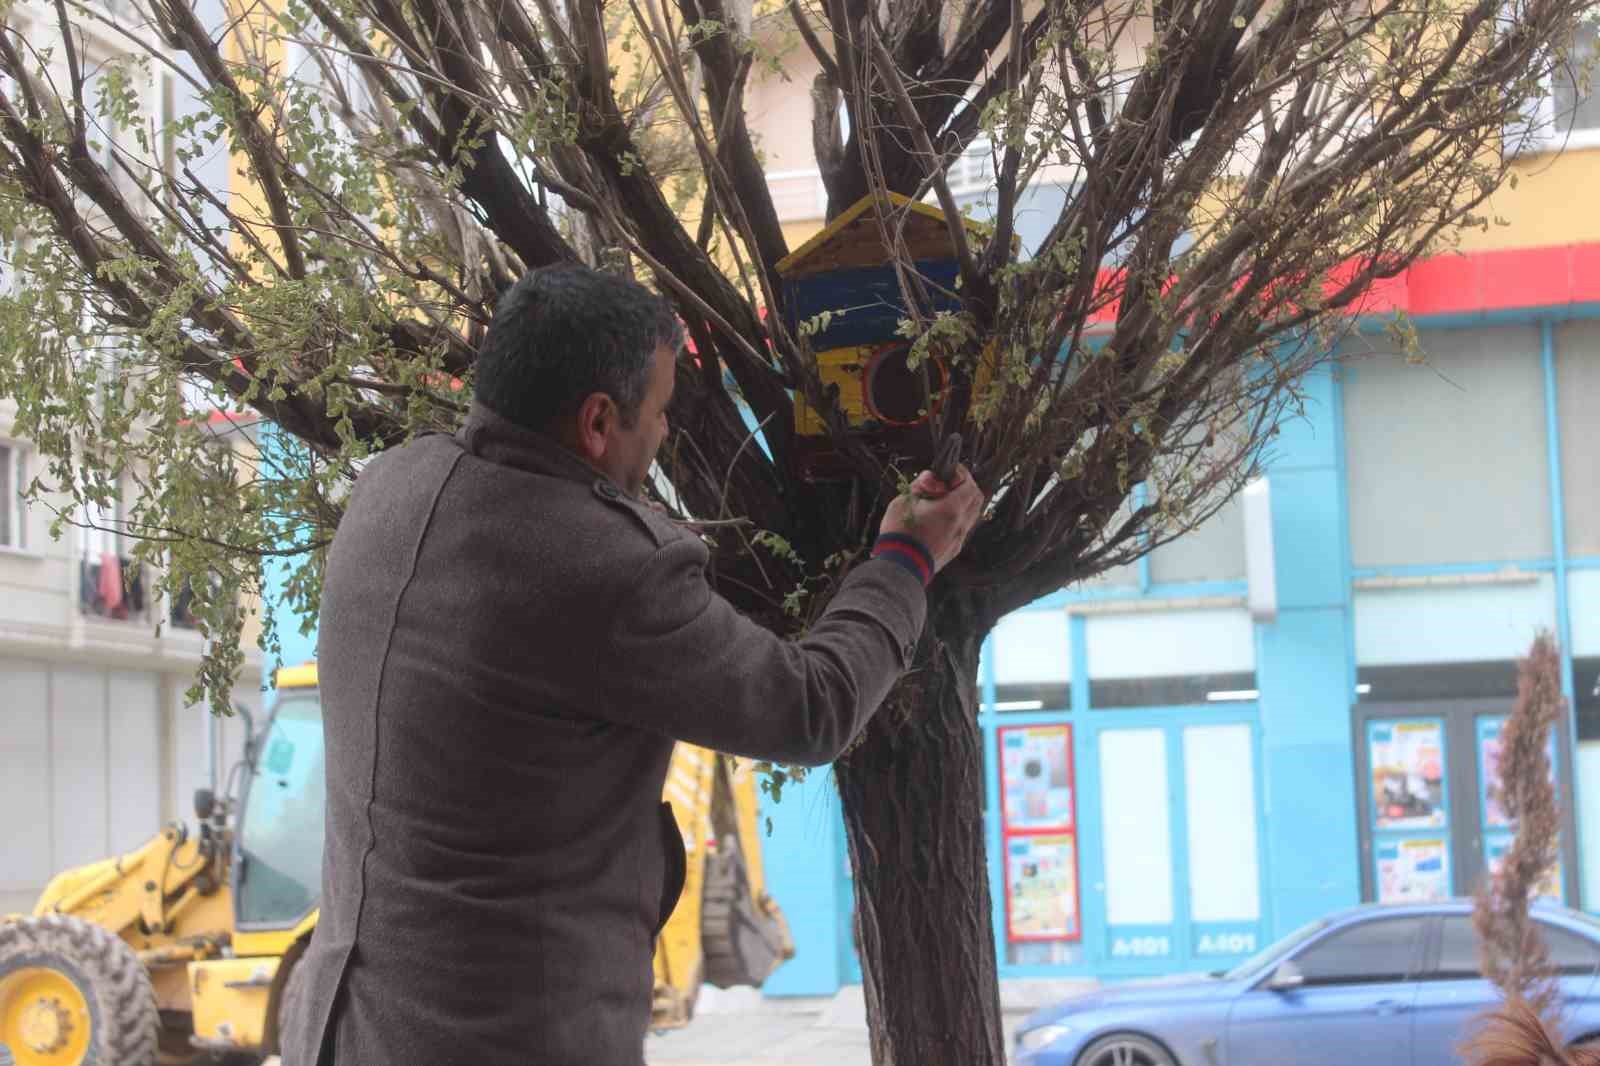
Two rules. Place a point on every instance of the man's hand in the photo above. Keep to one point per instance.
(939, 515)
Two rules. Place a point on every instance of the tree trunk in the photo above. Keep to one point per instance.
(912, 791)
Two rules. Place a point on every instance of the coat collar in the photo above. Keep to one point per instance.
(490, 435)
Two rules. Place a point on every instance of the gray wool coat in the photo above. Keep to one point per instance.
(509, 647)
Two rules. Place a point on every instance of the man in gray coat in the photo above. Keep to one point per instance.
(511, 641)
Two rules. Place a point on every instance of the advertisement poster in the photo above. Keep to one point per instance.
(1036, 777)
(1407, 760)
(1413, 871)
(1494, 812)
(1042, 887)
(1495, 849)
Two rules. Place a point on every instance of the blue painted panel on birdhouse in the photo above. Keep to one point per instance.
(866, 303)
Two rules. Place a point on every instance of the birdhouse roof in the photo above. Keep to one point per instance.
(855, 239)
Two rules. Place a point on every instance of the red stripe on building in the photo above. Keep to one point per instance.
(1470, 282)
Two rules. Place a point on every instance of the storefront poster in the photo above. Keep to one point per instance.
(1413, 871)
(1493, 803)
(1036, 777)
(1407, 760)
(1495, 850)
(1042, 887)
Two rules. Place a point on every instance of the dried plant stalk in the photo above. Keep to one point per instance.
(1511, 952)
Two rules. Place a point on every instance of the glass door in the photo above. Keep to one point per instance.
(1173, 882)
(1432, 817)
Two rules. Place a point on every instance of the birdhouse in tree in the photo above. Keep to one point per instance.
(842, 293)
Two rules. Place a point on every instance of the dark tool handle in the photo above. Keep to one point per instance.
(945, 460)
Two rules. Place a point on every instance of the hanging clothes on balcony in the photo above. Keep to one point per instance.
(134, 599)
(111, 600)
(88, 587)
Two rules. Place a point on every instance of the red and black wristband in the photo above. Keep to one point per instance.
(907, 552)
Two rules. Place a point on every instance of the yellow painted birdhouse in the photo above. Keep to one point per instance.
(842, 293)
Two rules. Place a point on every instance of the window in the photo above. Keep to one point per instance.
(1568, 114)
(113, 144)
(1437, 681)
(1276, 950)
(1189, 690)
(1586, 685)
(101, 524)
(280, 842)
(111, 584)
(1213, 552)
(184, 615)
(1570, 954)
(1032, 653)
(1381, 950)
(1576, 106)
(13, 508)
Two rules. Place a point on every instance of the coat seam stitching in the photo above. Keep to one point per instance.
(377, 700)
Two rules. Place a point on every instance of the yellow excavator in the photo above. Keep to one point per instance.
(186, 949)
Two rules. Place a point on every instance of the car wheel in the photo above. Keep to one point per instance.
(1125, 1049)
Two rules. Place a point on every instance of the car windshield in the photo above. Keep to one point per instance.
(1276, 950)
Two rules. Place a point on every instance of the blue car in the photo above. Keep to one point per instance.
(1370, 986)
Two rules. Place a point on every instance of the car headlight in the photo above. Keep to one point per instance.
(1034, 1039)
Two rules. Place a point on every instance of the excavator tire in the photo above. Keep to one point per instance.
(73, 994)
(738, 945)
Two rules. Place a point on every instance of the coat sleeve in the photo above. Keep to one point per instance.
(681, 660)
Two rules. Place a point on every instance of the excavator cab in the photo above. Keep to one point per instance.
(277, 867)
(238, 999)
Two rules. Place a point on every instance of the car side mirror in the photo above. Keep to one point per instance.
(1285, 978)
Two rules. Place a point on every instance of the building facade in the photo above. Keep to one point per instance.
(1172, 781)
(99, 748)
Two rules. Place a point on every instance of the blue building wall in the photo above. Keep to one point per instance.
(1333, 621)
(1306, 669)
(1306, 672)
(295, 647)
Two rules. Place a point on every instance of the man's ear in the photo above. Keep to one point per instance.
(596, 418)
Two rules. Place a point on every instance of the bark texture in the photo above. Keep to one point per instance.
(913, 797)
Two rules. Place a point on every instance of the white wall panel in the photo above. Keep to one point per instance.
(134, 770)
(1583, 591)
(78, 753)
(25, 795)
(1467, 623)
(1170, 644)
(188, 732)
(1214, 552)
(1032, 646)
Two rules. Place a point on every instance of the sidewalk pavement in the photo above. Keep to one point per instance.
(738, 1027)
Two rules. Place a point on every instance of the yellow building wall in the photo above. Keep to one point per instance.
(1553, 203)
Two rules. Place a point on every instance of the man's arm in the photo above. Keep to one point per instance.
(682, 661)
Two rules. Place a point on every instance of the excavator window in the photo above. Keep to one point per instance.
(279, 872)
